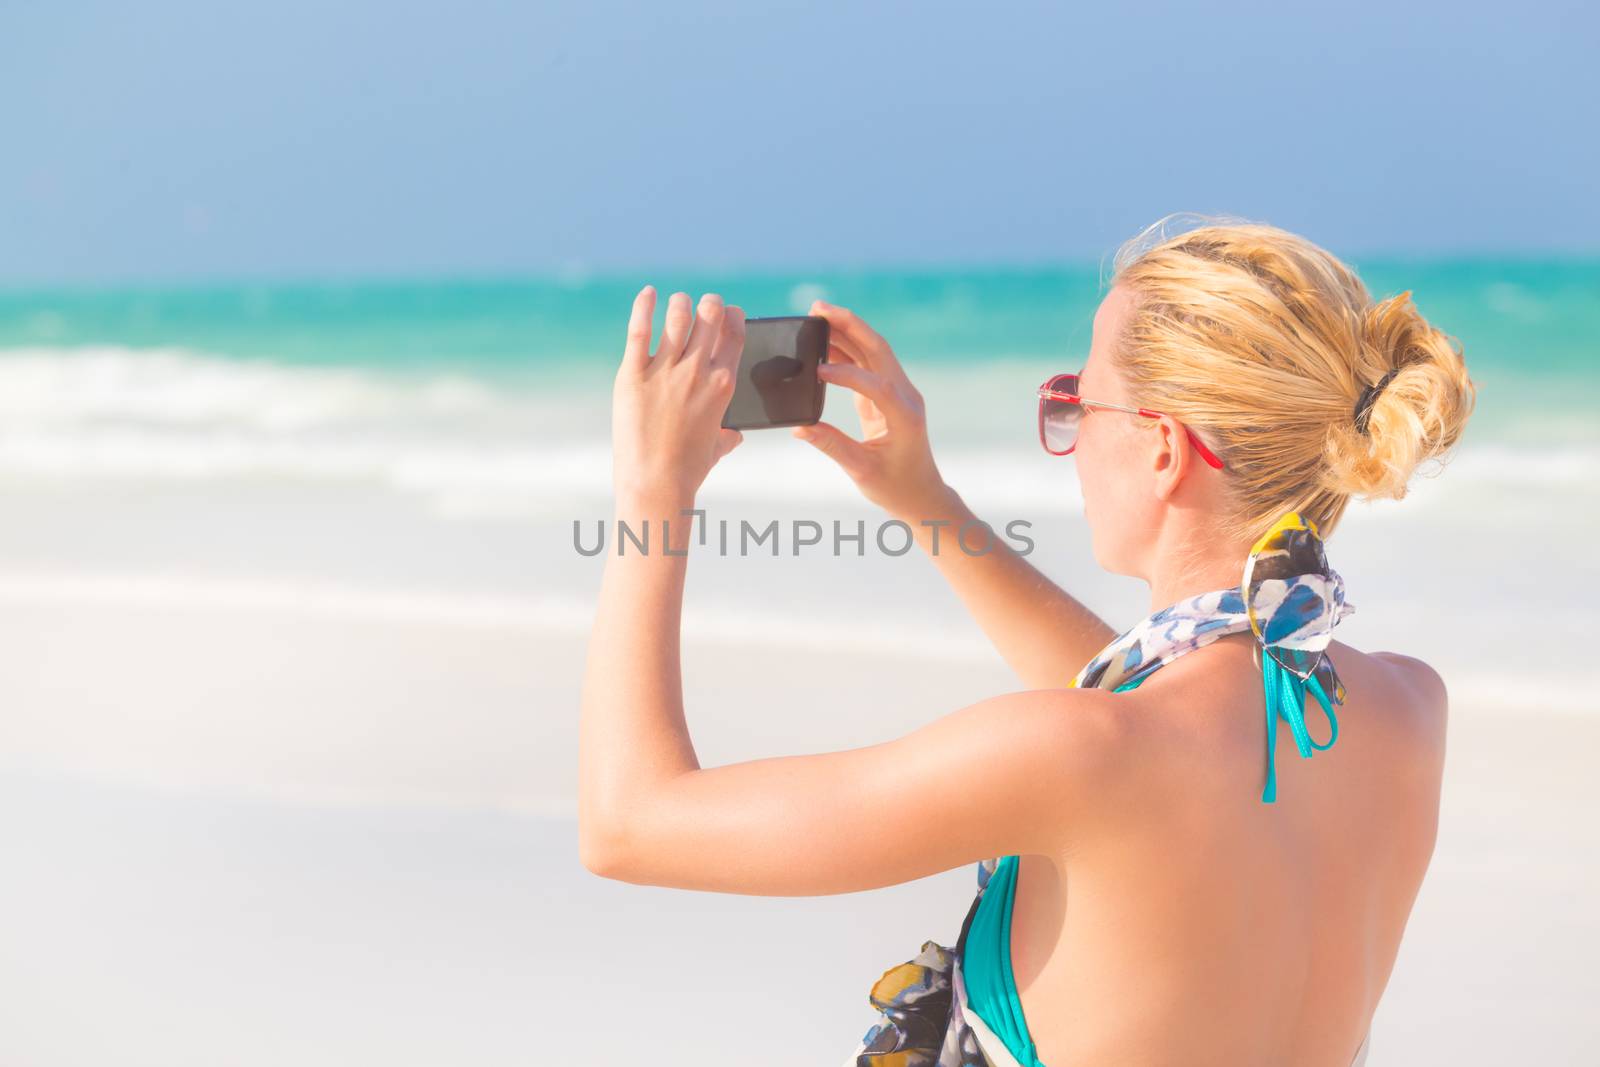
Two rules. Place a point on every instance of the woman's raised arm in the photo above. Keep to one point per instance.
(1043, 632)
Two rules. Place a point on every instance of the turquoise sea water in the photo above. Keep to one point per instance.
(1526, 317)
(472, 382)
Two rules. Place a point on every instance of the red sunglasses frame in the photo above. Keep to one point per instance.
(1049, 391)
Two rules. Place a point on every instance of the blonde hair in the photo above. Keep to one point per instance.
(1264, 343)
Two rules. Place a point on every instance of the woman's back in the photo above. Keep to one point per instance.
(1188, 922)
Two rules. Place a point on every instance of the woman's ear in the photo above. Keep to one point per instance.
(1171, 456)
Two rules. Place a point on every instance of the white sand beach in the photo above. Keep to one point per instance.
(289, 771)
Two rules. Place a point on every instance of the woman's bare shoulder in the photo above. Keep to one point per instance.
(1191, 697)
(1421, 706)
(1421, 679)
(1409, 688)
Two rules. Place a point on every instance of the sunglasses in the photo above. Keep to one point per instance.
(1061, 410)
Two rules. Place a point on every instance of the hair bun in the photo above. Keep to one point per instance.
(1415, 410)
(1363, 406)
(1276, 353)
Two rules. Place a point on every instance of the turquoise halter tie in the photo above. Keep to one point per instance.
(1286, 700)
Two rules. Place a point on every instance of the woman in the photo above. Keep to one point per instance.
(1241, 386)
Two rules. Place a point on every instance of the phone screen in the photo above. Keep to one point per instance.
(778, 383)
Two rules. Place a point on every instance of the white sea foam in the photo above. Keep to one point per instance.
(176, 387)
(471, 446)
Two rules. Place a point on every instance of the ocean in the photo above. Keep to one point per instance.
(499, 389)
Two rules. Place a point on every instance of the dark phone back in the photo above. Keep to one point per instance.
(778, 383)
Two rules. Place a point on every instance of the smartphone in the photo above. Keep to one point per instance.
(778, 383)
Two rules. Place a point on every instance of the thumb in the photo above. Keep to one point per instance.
(835, 444)
(727, 441)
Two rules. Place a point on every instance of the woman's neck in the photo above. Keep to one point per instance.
(1182, 572)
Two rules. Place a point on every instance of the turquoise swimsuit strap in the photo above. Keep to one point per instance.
(1286, 700)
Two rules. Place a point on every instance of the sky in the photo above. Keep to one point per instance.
(298, 140)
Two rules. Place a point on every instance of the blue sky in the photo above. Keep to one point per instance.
(166, 141)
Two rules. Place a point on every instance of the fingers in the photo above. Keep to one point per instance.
(636, 351)
(727, 441)
(680, 317)
(837, 354)
(707, 333)
(867, 383)
(730, 349)
(847, 329)
(836, 445)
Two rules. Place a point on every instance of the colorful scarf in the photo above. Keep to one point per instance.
(1291, 600)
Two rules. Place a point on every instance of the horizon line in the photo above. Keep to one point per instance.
(577, 275)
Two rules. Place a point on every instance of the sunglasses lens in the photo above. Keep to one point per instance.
(1059, 419)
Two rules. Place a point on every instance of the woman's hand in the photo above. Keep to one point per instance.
(666, 424)
(893, 463)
